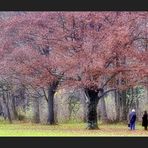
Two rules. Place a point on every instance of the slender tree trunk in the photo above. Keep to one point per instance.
(104, 117)
(92, 109)
(84, 112)
(36, 116)
(2, 111)
(137, 103)
(84, 103)
(121, 106)
(23, 98)
(51, 91)
(117, 105)
(6, 101)
(14, 108)
(70, 109)
(124, 107)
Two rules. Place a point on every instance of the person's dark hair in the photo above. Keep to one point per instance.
(145, 112)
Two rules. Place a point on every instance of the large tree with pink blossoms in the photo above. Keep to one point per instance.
(95, 51)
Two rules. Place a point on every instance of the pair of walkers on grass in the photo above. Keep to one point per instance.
(132, 120)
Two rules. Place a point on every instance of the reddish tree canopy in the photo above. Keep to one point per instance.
(86, 49)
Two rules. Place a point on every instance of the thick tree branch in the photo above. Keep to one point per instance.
(109, 80)
(107, 91)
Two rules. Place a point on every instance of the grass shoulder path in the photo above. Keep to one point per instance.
(68, 130)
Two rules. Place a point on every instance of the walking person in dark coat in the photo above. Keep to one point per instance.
(132, 118)
(145, 120)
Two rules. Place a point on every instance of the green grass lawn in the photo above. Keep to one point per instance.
(69, 129)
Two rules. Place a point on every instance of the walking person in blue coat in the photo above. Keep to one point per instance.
(132, 119)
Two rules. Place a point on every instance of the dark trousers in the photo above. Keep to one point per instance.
(145, 127)
(132, 126)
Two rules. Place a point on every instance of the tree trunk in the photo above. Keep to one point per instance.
(84, 112)
(124, 107)
(104, 117)
(84, 103)
(14, 108)
(92, 109)
(51, 91)
(117, 105)
(70, 109)
(23, 98)
(36, 116)
(121, 106)
(2, 112)
(6, 102)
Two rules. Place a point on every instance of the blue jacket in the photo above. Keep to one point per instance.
(132, 117)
